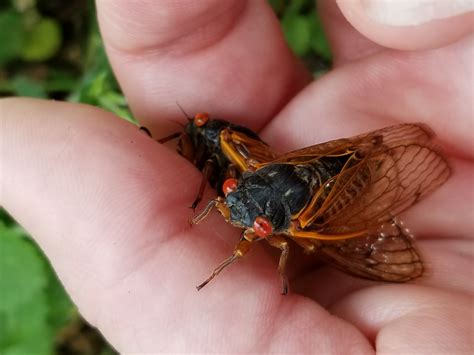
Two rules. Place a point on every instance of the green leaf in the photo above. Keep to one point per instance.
(116, 103)
(6, 219)
(61, 309)
(26, 331)
(11, 35)
(24, 86)
(23, 305)
(297, 31)
(43, 41)
(296, 6)
(99, 85)
(60, 80)
(22, 271)
(277, 5)
(319, 42)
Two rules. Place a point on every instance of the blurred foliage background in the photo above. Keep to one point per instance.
(52, 49)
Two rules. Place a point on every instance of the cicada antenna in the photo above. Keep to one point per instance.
(184, 112)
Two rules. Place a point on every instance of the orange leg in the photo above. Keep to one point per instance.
(281, 243)
(240, 250)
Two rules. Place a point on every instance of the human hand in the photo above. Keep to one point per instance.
(110, 207)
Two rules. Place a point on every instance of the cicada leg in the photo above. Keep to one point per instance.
(281, 243)
(240, 250)
(206, 173)
(146, 131)
(218, 203)
(309, 246)
(161, 140)
(167, 138)
(231, 171)
(236, 152)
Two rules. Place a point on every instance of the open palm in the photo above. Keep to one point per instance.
(110, 207)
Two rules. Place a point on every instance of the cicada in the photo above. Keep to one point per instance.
(219, 149)
(338, 200)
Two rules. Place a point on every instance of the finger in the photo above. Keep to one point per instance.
(225, 57)
(109, 207)
(347, 44)
(410, 25)
(82, 180)
(419, 319)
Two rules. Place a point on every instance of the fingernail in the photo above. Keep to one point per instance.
(414, 12)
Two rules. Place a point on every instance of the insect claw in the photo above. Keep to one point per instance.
(218, 269)
(198, 287)
(284, 287)
(195, 203)
(201, 285)
(204, 213)
(146, 131)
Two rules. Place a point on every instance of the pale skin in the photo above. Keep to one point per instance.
(110, 207)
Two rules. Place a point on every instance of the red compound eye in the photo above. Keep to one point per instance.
(201, 119)
(262, 227)
(229, 185)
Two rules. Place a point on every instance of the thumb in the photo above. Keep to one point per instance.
(410, 24)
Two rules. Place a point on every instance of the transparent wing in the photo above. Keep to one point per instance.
(400, 167)
(414, 132)
(386, 254)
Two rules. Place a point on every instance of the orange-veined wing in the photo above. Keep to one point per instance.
(338, 147)
(383, 178)
(386, 254)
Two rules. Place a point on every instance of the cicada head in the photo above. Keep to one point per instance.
(249, 204)
(192, 137)
(200, 139)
